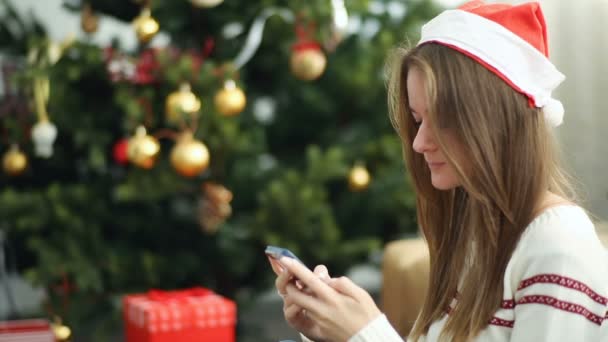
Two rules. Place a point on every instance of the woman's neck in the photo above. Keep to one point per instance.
(550, 200)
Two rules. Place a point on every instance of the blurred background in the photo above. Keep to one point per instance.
(154, 144)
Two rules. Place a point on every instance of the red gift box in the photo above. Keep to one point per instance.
(192, 315)
(30, 330)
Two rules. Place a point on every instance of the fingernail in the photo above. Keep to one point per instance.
(285, 260)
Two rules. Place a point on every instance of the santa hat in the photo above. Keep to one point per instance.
(510, 41)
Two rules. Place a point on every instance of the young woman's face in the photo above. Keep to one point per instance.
(443, 176)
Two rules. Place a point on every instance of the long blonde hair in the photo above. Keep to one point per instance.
(506, 163)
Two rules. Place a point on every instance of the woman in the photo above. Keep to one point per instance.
(512, 257)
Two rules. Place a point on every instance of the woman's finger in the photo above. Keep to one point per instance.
(282, 281)
(276, 266)
(322, 272)
(308, 278)
(292, 311)
(346, 286)
(305, 301)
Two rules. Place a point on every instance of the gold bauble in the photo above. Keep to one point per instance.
(358, 178)
(181, 102)
(14, 161)
(308, 63)
(206, 3)
(142, 149)
(145, 26)
(62, 332)
(89, 21)
(230, 100)
(189, 156)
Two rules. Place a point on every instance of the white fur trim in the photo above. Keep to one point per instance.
(526, 67)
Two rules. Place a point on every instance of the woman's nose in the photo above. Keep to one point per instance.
(423, 142)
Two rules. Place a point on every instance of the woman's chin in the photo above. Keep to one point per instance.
(441, 183)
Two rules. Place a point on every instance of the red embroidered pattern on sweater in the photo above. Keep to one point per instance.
(562, 305)
(502, 322)
(507, 304)
(546, 300)
(563, 281)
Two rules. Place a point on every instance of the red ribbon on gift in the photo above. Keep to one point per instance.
(177, 295)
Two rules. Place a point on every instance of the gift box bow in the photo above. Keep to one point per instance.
(197, 307)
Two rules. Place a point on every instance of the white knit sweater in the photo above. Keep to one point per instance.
(555, 287)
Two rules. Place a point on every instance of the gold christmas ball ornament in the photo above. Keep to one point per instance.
(230, 100)
(89, 21)
(308, 61)
(146, 26)
(189, 156)
(62, 332)
(206, 3)
(358, 178)
(180, 103)
(14, 161)
(142, 149)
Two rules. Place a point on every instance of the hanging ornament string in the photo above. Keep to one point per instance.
(339, 24)
(339, 15)
(41, 97)
(254, 39)
(305, 32)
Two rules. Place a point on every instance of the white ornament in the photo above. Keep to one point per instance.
(44, 134)
(206, 3)
(554, 112)
(264, 109)
(266, 162)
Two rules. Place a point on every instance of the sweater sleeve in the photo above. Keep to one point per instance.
(378, 330)
(560, 298)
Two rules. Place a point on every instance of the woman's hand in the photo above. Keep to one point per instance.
(332, 310)
(294, 314)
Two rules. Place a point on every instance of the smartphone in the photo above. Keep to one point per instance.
(278, 252)
(275, 253)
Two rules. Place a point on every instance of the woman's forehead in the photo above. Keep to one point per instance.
(416, 90)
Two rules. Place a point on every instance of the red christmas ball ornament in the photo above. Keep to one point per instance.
(119, 152)
(308, 61)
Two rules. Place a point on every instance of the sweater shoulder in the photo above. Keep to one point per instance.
(562, 240)
(561, 230)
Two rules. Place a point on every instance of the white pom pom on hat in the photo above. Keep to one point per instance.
(510, 41)
(554, 112)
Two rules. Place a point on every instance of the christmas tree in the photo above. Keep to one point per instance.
(260, 122)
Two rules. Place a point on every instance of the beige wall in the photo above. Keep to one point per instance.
(578, 44)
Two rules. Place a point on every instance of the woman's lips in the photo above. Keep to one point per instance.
(435, 165)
